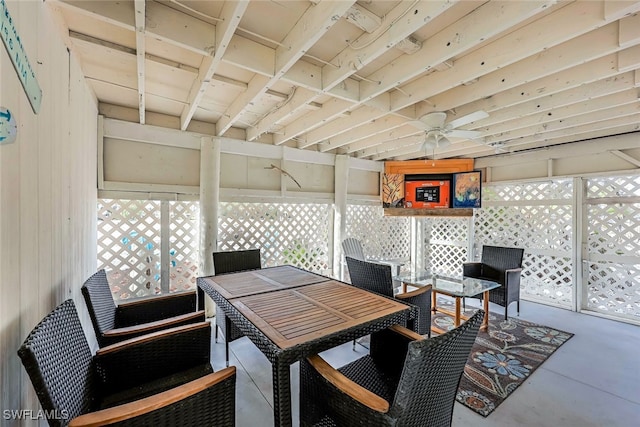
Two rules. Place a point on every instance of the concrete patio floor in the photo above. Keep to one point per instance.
(592, 380)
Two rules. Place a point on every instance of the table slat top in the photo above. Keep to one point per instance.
(263, 280)
(293, 316)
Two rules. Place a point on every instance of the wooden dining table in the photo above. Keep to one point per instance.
(290, 313)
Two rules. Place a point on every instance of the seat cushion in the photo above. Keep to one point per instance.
(154, 387)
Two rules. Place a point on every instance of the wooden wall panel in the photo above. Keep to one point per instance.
(47, 195)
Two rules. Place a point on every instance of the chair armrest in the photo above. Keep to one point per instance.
(347, 386)
(419, 291)
(223, 379)
(407, 333)
(119, 334)
(472, 269)
(146, 358)
(156, 308)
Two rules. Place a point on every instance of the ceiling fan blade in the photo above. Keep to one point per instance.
(420, 125)
(468, 134)
(469, 118)
(434, 120)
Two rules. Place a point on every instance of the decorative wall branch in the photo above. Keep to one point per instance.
(282, 171)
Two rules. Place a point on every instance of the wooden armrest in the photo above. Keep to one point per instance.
(347, 386)
(150, 337)
(408, 333)
(151, 403)
(420, 290)
(157, 298)
(152, 326)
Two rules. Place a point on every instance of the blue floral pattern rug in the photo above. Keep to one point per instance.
(502, 358)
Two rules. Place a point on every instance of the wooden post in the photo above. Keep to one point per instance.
(209, 203)
(340, 212)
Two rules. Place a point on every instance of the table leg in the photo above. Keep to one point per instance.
(456, 321)
(281, 394)
(433, 300)
(485, 306)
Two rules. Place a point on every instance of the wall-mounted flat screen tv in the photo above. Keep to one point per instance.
(467, 190)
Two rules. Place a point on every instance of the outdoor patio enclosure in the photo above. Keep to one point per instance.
(580, 237)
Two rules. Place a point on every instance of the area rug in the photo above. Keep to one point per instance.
(502, 358)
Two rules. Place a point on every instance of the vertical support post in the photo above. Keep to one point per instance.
(471, 240)
(413, 245)
(165, 256)
(209, 203)
(340, 211)
(579, 253)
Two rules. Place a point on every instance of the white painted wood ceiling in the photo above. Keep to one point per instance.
(305, 73)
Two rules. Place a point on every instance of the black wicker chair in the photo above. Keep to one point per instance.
(231, 262)
(114, 323)
(503, 265)
(161, 379)
(405, 380)
(377, 278)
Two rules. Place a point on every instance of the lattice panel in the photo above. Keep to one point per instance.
(614, 289)
(547, 279)
(618, 186)
(544, 190)
(184, 252)
(540, 228)
(446, 242)
(296, 234)
(129, 246)
(614, 229)
(381, 236)
(531, 227)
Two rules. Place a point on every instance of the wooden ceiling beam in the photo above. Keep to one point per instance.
(490, 19)
(497, 64)
(397, 25)
(140, 56)
(315, 22)
(230, 17)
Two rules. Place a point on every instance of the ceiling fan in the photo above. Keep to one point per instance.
(437, 131)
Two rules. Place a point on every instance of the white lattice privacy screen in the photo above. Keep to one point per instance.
(381, 236)
(536, 216)
(286, 233)
(130, 239)
(612, 265)
(445, 243)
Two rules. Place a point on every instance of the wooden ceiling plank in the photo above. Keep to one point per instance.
(115, 13)
(629, 96)
(486, 22)
(579, 126)
(503, 53)
(397, 25)
(409, 66)
(231, 14)
(315, 22)
(140, 56)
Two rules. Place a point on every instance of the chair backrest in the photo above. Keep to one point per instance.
(58, 359)
(497, 259)
(102, 308)
(353, 248)
(233, 261)
(370, 276)
(431, 375)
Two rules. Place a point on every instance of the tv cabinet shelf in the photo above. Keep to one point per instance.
(458, 212)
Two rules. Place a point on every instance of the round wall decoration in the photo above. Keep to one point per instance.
(8, 126)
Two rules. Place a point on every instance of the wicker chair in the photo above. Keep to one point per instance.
(352, 248)
(114, 323)
(161, 379)
(377, 278)
(231, 262)
(405, 380)
(503, 265)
